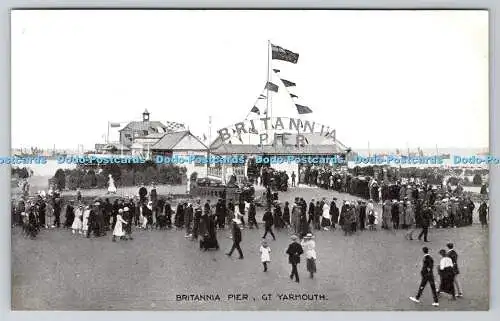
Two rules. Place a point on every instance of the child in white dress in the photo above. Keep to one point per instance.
(118, 231)
(77, 222)
(85, 220)
(265, 254)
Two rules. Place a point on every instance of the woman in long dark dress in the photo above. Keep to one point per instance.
(483, 214)
(179, 216)
(278, 217)
(168, 215)
(286, 214)
(447, 275)
(209, 240)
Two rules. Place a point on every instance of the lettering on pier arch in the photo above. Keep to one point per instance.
(296, 125)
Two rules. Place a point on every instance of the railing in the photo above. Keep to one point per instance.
(214, 171)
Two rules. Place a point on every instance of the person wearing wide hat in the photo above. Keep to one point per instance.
(309, 247)
(236, 235)
(294, 251)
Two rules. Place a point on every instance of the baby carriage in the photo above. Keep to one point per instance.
(207, 243)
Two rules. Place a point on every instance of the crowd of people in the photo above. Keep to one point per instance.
(407, 201)
(405, 205)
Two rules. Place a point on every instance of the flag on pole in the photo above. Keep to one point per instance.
(288, 83)
(276, 70)
(204, 137)
(272, 87)
(294, 96)
(262, 96)
(255, 110)
(280, 53)
(114, 125)
(303, 109)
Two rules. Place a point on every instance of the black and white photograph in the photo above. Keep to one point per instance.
(250, 160)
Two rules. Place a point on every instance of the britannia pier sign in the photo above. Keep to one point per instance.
(270, 129)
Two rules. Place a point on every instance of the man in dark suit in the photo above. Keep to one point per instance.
(452, 254)
(268, 220)
(236, 239)
(426, 222)
(427, 274)
(252, 212)
(294, 251)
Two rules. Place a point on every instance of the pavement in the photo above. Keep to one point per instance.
(372, 270)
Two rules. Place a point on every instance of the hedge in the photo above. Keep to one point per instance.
(86, 177)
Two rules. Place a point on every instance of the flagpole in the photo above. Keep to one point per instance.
(107, 137)
(209, 140)
(267, 83)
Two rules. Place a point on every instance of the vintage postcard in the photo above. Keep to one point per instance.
(314, 160)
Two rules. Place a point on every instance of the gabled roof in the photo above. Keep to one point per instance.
(154, 126)
(171, 140)
(144, 125)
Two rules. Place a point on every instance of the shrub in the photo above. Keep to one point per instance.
(60, 179)
(477, 179)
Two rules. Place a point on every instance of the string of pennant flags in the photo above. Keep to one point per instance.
(279, 53)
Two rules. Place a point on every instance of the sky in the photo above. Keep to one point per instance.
(390, 79)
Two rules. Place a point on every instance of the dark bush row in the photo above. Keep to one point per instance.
(123, 174)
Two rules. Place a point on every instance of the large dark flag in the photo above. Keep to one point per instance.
(255, 110)
(294, 96)
(280, 53)
(272, 87)
(288, 83)
(303, 109)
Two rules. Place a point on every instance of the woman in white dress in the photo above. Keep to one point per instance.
(77, 222)
(85, 220)
(111, 185)
(309, 246)
(143, 218)
(118, 231)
